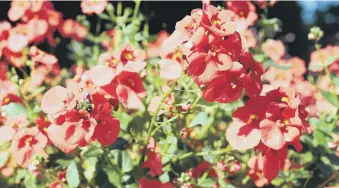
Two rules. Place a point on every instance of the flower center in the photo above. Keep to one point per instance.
(284, 99)
(252, 118)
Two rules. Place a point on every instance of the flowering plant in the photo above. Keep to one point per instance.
(213, 104)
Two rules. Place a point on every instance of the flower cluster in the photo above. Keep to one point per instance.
(210, 105)
(269, 124)
(215, 57)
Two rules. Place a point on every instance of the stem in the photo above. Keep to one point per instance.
(164, 96)
(106, 155)
(327, 72)
(162, 124)
(136, 9)
(190, 154)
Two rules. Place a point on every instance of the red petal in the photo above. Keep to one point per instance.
(107, 131)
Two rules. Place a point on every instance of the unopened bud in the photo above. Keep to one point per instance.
(315, 34)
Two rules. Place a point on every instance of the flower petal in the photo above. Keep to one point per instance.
(271, 134)
(101, 75)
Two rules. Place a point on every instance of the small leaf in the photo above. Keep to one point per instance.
(336, 81)
(331, 98)
(3, 159)
(93, 151)
(104, 16)
(14, 109)
(200, 119)
(126, 162)
(279, 66)
(72, 175)
(118, 144)
(113, 176)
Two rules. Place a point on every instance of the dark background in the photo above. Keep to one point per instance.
(164, 14)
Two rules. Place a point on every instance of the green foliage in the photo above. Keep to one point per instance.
(72, 175)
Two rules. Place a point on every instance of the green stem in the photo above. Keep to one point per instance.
(327, 72)
(164, 96)
(196, 154)
(136, 9)
(106, 156)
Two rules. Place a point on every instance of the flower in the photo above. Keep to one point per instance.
(72, 29)
(113, 63)
(153, 161)
(275, 49)
(71, 130)
(40, 56)
(127, 87)
(26, 143)
(89, 6)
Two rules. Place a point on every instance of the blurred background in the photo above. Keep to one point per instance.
(297, 18)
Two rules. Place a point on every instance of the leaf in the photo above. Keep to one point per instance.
(89, 166)
(3, 159)
(207, 182)
(113, 176)
(14, 109)
(72, 175)
(93, 151)
(125, 161)
(200, 119)
(279, 66)
(331, 98)
(104, 16)
(118, 144)
(336, 81)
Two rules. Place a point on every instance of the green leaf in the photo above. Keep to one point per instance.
(125, 161)
(336, 81)
(72, 175)
(279, 66)
(200, 119)
(93, 151)
(14, 109)
(113, 176)
(3, 159)
(207, 182)
(89, 166)
(331, 98)
(104, 16)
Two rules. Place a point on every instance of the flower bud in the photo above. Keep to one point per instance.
(315, 34)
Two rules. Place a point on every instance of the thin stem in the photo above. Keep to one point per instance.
(327, 72)
(196, 154)
(136, 9)
(162, 124)
(164, 96)
(106, 156)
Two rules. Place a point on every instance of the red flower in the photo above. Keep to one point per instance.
(203, 167)
(252, 75)
(73, 29)
(108, 128)
(256, 165)
(153, 161)
(144, 183)
(128, 88)
(274, 161)
(26, 143)
(226, 86)
(244, 132)
(71, 130)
